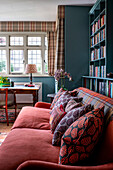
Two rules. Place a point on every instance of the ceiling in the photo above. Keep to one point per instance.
(34, 10)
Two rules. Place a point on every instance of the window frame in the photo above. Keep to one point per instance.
(25, 48)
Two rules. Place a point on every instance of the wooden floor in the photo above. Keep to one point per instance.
(4, 128)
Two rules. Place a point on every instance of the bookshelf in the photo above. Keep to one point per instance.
(100, 46)
(99, 84)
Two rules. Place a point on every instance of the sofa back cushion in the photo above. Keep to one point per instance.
(104, 152)
(97, 100)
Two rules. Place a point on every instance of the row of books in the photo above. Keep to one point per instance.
(91, 70)
(98, 53)
(103, 88)
(98, 71)
(98, 37)
(106, 88)
(102, 20)
(103, 51)
(97, 25)
(102, 35)
(103, 71)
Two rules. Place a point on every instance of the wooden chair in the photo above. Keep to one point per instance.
(7, 99)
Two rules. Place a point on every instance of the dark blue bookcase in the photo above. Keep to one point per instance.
(100, 47)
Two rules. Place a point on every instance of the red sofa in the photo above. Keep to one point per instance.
(29, 144)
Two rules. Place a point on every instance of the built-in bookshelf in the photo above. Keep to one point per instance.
(97, 21)
(100, 44)
(99, 84)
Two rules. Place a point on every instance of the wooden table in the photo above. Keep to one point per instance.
(26, 90)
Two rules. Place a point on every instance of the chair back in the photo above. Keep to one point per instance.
(7, 97)
(3, 97)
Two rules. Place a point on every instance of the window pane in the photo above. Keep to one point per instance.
(2, 60)
(34, 57)
(34, 41)
(2, 41)
(16, 60)
(16, 41)
(46, 62)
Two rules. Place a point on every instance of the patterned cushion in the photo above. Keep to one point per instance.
(59, 93)
(71, 105)
(56, 116)
(73, 92)
(79, 140)
(67, 120)
(64, 99)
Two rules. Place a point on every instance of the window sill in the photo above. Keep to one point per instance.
(27, 75)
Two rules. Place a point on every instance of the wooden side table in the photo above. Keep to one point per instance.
(51, 96)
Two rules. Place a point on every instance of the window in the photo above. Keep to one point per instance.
(16, 41)
(34, 57)
(34, 41)
(2, 61)
(2, 41)
(19, 49)
(16, 61)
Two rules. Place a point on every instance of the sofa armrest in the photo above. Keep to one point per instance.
(33, 164)
(43, 105)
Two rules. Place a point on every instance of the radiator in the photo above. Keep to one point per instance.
(28, 98)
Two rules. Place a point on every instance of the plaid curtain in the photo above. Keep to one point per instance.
(51, 52)
(27, 26)
(60, 58)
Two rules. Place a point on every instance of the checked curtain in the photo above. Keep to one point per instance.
(55, 34)
(60, 58)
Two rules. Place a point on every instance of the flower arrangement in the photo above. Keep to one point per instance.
(61, 75)
(4, 81)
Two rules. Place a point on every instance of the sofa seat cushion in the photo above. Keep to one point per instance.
(27, 144)
(32, 117)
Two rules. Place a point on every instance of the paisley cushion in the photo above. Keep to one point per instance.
(79, 140)
(67, 120)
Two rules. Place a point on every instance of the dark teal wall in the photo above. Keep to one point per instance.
(76, 43)
(47, 84)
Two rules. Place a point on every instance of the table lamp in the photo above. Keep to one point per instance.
(30, 68)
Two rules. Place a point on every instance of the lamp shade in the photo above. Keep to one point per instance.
(31, 68)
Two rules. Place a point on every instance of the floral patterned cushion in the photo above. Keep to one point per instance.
(67, 120)
(79, 140)
(57, 114)
(71, 105)
(59, 93)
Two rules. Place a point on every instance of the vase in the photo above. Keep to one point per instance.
(56, 86)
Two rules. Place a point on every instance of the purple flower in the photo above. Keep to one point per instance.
(59, 74)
